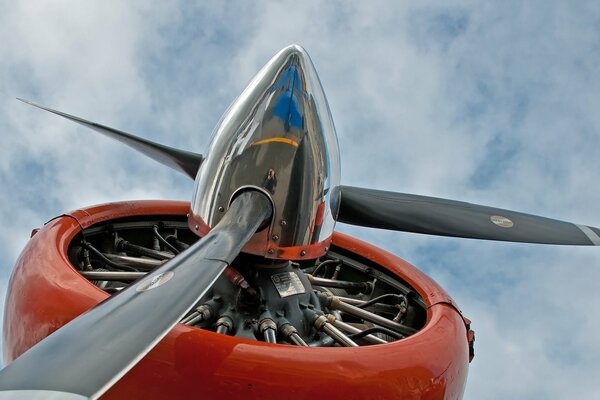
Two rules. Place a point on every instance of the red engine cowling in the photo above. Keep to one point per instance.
(46, 291)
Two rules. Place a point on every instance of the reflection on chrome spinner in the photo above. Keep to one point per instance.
(279, 137)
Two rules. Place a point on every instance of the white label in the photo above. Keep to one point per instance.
(155, 281)
(288, 284)
(502, 222)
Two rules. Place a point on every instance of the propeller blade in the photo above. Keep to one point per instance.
(89, 354)
(180, 160)
(434, 216)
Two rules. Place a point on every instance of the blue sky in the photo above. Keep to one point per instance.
(491, 103)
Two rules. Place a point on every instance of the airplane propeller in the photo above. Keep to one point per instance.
(434, 216)
(286, 110)
(398, 211)
(180, 160)
(122, 329)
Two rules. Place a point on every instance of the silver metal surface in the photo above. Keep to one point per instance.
(369, 316)
(268, 327)
(188, 320)
(139, 262)
(202, 313)
(288, 284)
(594, 238)
(278, 135)
(352, 329)
(350, 300)
(224, 325)
(269, 335)
(222, 329)
(38, 395)
(297, 340)
(112, 275)
(338, 335)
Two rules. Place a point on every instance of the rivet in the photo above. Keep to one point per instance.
(302, 253)
(187, 215)
(275, 237)
(283, 222)
(270, 251)
(221, 209)
(196, 227)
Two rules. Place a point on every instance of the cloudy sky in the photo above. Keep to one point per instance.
(491, 103)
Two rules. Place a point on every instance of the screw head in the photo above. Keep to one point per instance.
(221, 209)
(275, 237)
(196, 227)
(270, 251)
(302, 253)
(283, 222)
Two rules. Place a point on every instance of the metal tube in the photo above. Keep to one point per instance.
(297, 340)
(289, 332)
(147, 263)
(338, 335)
(364, 287)
(192, 321)
(350, 300)
(223, 329)
(104, 259)
(143, 251)
(203, 313)
(186, 320)
(224, 325)
(388, 308)
(269, 335)
(352, 329)
(369, 316)
(112, 275)
(268, 328)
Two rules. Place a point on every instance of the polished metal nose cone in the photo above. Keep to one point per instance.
(278, 137)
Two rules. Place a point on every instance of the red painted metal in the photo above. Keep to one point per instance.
(45, 292)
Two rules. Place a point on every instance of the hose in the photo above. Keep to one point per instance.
(106, 261)
(163, 240)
